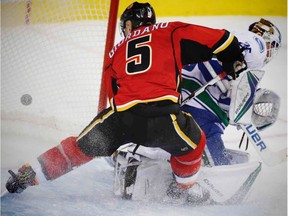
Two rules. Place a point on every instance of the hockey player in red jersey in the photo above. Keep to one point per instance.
(142, 78)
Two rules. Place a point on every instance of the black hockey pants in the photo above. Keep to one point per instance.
(156, 124)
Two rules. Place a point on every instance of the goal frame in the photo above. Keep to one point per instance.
(110, 39)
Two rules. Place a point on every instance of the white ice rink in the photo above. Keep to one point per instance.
(88, 190)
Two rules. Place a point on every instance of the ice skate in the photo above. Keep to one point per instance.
(194, 194)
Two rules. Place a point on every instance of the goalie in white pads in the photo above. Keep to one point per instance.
(230, 101)
(213, 110)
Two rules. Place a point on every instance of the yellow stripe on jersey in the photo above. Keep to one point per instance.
(133, 103)
(225, 44)
(93, 124)
(111, 101)
(181, 133)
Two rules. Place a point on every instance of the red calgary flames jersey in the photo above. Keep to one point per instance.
(146, 65)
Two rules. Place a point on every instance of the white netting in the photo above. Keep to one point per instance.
(52, 56)
(263, 109)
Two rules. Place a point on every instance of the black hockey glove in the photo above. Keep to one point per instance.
(25, 177)
(13, 184)
(233, 69)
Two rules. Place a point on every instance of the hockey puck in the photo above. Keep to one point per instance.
(26, 99)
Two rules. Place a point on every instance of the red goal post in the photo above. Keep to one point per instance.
(110, 39)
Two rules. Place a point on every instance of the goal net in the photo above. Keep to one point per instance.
(52, 59)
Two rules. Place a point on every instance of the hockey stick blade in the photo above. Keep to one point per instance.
(269, 157)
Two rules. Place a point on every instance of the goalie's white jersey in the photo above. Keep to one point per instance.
(255, 49)
(214, 99)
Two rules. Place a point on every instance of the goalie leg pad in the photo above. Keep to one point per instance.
(61, 159)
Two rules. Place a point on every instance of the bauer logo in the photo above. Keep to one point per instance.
(242, 103)
(256, 138)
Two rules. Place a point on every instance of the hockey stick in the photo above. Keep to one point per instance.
(203, 88)
(213, 74)
(269, 157)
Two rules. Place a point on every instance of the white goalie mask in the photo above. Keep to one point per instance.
(271, 34)
(266, 106)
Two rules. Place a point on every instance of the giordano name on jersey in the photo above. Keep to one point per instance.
(139, 32)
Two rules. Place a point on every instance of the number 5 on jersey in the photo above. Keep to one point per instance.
(138, 55)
